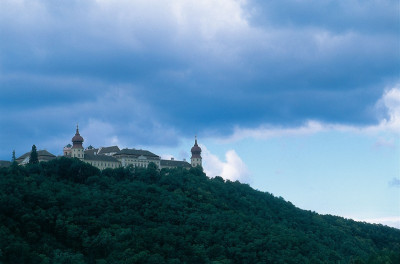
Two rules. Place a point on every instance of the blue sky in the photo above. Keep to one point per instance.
(297, 98)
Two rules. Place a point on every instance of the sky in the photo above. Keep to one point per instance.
(300, 99)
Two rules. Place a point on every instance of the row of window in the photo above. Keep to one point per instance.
(104, 164)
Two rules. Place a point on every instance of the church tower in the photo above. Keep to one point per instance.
(196, 159)
(77, 148)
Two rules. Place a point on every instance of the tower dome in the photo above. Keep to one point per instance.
(196, 150)
(196, 159)
(77, 140)
(77, 148)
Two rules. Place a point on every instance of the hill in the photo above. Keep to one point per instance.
(66, 211)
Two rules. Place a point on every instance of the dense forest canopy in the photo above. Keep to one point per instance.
(66, 211)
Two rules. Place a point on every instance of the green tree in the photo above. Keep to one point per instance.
(14, 164)
(13, 159)
(33, 159)
(67, 211)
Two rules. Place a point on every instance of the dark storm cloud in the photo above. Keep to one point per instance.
(368, 16)
(186, 68)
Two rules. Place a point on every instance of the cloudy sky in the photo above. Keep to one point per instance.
(297, 98)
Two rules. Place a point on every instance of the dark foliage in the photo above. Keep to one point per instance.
(66, 211)
(33, 158)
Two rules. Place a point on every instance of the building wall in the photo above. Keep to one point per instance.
(141, 162)
(67, 152)
(104, 164)
(26, 160)
(172, 167)
(196, 162)
(77, 153)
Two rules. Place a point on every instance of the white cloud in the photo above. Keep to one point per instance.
(233, 168)
(127, 23)
(390, 102)
(166, 156)
(208, 17)
(99, 133)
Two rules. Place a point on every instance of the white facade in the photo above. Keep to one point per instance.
(137, 158)
(196, 162)
(77, 153)
(101, 164)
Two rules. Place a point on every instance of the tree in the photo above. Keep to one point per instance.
(14, 164)
(33, 159)
(13, 159)
(67, 211)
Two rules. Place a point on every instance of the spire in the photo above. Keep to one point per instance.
(195, 140)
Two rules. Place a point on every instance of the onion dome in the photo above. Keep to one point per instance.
(77, 140)
(196, 150)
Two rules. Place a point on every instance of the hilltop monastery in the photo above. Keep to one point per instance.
(113, 157)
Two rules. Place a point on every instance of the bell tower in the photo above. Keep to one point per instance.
(196, 159)
(77, 148)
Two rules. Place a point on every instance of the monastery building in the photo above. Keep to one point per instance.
(113, 157)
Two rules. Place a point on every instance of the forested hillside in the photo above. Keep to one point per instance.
(66, 211)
